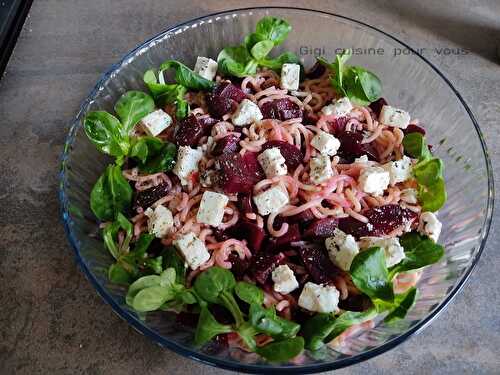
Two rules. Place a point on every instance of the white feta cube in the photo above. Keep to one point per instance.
(374, 180)
(156, 122)
(319, 298)
(284, 280)
(192, 249)
(271, 200)
(247, 113)
(206, 67)
(211, 210)
(187, 162)
(399, 170)
(429, 225)
(342, 107)
(342, 248)
(290, 76)
(394, 252)
(320, 169)
(272, 162)
(160, 221)
(395, 117)
(409, 196)
(325, 143)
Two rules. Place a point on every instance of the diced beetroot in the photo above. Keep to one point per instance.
(337, 125)
(251, 232)
(237, 174)
(412, 128)
(245, 204)
(292, 235)
(281, 109)
(208, 122)
(318, 264)
(228, 90)
(322, 228)
(190, 130)
(316, 71)
(381, 221)
(264, 263)
(310, 118)
(147, 197)
(377, 105)
(218, 106)
(293, 156)
(238, 266)
(230, 143)
(221, 235)
(302, 217)
(351, 147)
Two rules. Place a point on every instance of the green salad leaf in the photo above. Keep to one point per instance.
(323, 328)
(358, 84)
(167, 93)
(402, 304)
(186, 77)
(111, 194)
(266, 321)
(249, 293)
(172, 259)
(420, 251)
(208, 327)
(243, 60)
(370, 275)
(106, 132)
(153, 155)
(414, 145)
(132, 107)
(281, 351)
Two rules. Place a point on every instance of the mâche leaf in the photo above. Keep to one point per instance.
(106, 133)
(284, 350)
(186, 77)
(167, 93)
(414, 145)
(208, 327)
(132, 107)
(249, 293)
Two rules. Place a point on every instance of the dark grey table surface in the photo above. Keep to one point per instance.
(51, 319)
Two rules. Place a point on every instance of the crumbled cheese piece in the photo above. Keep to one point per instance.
(319, 298)
(205, 67)
(321, 169)
(160, 220)
(187, 162)
(399, 170)
(192, 249)
(271, 200)
(156, 122)
(374, 180)
(429, 225)
(394, 252)
(409, 195)
(342, 248)
(272, 162)
(290, 76)
(211, 210)
(394, 117)
(247, 113)
(325, 143)
(342, 107)
(284, 280)
(363, 159)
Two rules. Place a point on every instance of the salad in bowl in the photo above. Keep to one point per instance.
(279, 208)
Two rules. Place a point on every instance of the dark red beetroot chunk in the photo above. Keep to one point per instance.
(238, 266)
(310, 118)
(351, 147)
(237, 174)
(246, 230)
(190, 130)
(322, 228)
(230, 91)
(412, 128)
(316, 71)
(381, 221)
(377, 105)
(219, 106)
(230, 143)
(337, 125)
(281, 109)
(264, 263)
(292, 235)
(302, 217)
(293, 156)
(318, 264)
(147, 197)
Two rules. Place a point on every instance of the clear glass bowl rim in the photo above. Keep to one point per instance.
(213, 361)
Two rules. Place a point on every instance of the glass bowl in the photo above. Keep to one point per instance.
(409, 81)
